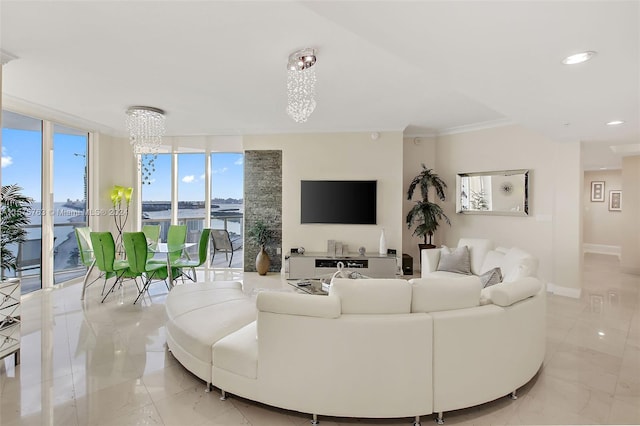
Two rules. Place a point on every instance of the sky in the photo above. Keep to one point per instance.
(22, 163)
(227, 171)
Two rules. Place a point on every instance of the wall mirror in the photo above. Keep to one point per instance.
(504, 192)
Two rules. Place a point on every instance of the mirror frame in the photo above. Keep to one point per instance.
(524, 201)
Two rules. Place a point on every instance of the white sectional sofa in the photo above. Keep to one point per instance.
(374, 348)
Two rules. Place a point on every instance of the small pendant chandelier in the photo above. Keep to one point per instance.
(146, 128)
(301, 84)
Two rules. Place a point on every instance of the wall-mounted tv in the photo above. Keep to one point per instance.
(338, 201)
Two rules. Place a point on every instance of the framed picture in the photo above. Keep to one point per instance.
(597, 191)
(615, 201)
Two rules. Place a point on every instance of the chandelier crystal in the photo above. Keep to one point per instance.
(301, 84)
(146, 128)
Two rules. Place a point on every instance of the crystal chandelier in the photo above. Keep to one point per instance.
(301, 84)
(146, 128)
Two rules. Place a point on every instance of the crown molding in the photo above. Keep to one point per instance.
(21, 106)
(501, 122)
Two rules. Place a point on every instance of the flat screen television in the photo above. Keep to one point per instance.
(338, 201)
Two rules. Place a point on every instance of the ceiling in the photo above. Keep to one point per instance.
(422, 67)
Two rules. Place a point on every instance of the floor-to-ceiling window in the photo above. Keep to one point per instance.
(227, 186)
(190, 175)
(156, 195)
(69, 199)
(49, 162)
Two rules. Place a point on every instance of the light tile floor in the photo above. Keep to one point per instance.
(107, 364)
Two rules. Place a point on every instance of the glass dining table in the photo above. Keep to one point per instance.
(167, 250)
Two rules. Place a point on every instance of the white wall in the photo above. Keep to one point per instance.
(348, 156)
(554, 173)
(601, 226)
(112, 163)
(630, 259)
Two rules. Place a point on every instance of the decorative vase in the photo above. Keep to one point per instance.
(262, 262)
(383, 243)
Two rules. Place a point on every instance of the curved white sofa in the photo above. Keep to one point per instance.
(375, 348)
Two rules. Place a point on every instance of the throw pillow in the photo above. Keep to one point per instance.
(456, 261)
(491, 277)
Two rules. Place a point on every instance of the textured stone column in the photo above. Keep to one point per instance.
(263, 201)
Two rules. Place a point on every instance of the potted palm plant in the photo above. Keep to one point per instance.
(261, 235)
(425, 215)
(14, 219)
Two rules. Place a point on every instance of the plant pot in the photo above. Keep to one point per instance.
(425, 246)
(262, 262)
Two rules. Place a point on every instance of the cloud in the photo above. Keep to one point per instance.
(6, 160)
(202, 176)
(239, 161)
(219, 171)
(188, 179)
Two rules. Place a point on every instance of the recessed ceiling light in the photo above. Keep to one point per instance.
(603, 168)
(578, 58)
(615, 123)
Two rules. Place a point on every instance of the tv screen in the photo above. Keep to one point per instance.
(338, 201)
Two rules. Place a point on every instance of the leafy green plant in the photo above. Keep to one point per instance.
(14, 217)
(426, 215)
(260, 234)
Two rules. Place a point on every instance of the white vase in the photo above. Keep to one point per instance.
(383, 243)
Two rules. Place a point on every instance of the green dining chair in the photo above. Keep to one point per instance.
(85, 249)
(152, 233)
(135, 246)
(202, 256)
(104, 249)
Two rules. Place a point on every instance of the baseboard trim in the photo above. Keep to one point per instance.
(602, 249)
(564, 291)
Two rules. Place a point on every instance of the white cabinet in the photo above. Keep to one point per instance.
(314, 265)
(10, 318)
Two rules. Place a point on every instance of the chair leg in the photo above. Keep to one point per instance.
(118, 279)
(86, 278)
(231, 260)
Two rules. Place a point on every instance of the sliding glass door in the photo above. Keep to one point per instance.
(49, 162)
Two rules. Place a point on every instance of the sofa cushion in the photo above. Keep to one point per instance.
(372, 296)
(298, 304)
(457, 261)
(508, 293)
(429, 260)
(493, 259)
(517, 264)
(478, 248)
(238, 352)
(187, 298)
(491, 277)
(442, 294)
(198, 329)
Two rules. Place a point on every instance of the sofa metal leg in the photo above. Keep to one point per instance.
(513, 395)
(314, 420)
(223, 397)
(440, 419)
(416, 422)
(208, 388)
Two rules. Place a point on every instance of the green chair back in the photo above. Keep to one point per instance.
(104, 250)
(176, 235)
(83, 238)
(151, 232)
(204, 245)
(135, 245)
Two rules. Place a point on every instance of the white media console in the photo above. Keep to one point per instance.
(313, 265)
